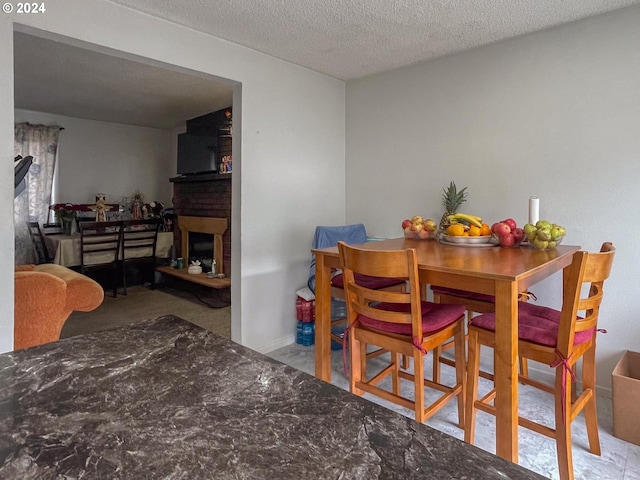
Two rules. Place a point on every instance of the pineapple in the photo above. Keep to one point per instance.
(451, 201)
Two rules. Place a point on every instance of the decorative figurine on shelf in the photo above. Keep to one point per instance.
(225, 166)
(136, 214)
(195, 268)
(136, 206)
(100, 208)
(168, 221)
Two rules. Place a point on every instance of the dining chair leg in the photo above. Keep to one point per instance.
(590, 410)
(563, 425)
(124, 280)
(395, 358)
(363, 359)
(473, 368)
(418, 381)
(358, 359)
(435, 376)
(153, 277)
(524, 366)
(405, 362)
(461, 367)
(114, 280)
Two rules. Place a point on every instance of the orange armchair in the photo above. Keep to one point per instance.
(45, 296)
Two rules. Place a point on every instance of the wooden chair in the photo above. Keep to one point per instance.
(39, 243)
(401, 323)
(325, 237)
(100, 246)
(559, 339)
(139, 241)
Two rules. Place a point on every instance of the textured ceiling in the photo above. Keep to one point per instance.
(345, 39)
(353, 38)
(54, 77)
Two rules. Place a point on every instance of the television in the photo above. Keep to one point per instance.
(196, 154)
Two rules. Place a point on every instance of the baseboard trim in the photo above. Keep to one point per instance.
(282, 342)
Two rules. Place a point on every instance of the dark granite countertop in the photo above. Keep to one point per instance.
(166, 399)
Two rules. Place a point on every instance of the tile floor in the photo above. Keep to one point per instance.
(619, 460)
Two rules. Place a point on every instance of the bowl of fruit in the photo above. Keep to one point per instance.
(507, 233)
(544, 235)
(465, 229)
(418, 228)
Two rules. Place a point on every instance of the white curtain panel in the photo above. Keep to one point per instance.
(41, 142)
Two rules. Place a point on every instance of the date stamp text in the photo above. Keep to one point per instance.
(26, 7)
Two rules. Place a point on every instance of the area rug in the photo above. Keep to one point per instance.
(142, 303)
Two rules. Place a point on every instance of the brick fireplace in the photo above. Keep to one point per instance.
(205, 195)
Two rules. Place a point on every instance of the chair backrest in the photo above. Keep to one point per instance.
(139, 239)
(583, 294)
(382, 263)
(100, 243)
(52, 229)
(39, 243)
(329, 237)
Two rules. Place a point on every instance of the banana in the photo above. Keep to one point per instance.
(473, 216)
(472, 219)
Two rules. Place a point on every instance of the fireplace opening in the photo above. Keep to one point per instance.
(207, 241)
(201, 248)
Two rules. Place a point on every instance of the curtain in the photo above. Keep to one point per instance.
(41, 142)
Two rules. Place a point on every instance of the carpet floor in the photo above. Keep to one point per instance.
(203, 308)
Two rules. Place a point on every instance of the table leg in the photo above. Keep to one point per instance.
(323, 320)
(506, 370)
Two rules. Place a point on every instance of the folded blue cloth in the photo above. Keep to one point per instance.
(329, 237)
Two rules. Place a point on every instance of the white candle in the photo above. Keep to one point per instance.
(534, 210)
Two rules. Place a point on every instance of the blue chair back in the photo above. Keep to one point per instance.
(329, 237)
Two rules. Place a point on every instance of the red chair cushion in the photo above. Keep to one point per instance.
(374, 283)
(435, 316)
(463, 293)
(536, 324)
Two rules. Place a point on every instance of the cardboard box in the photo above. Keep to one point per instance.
(625, 381)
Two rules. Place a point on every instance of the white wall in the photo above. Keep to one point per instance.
(6, 185)
(111, 158)
(554, 114)
(288, 154)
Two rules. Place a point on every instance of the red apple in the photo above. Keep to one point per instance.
(507, 240)
(500, 229)
(518, 233)
(406, 223)
(424, 234)
(511, 222)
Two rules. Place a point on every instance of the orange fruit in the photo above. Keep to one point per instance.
(474, 231)
(456, 230)
(485, 230)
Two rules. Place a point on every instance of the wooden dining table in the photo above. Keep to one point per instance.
(493, 270)
(65, 249)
